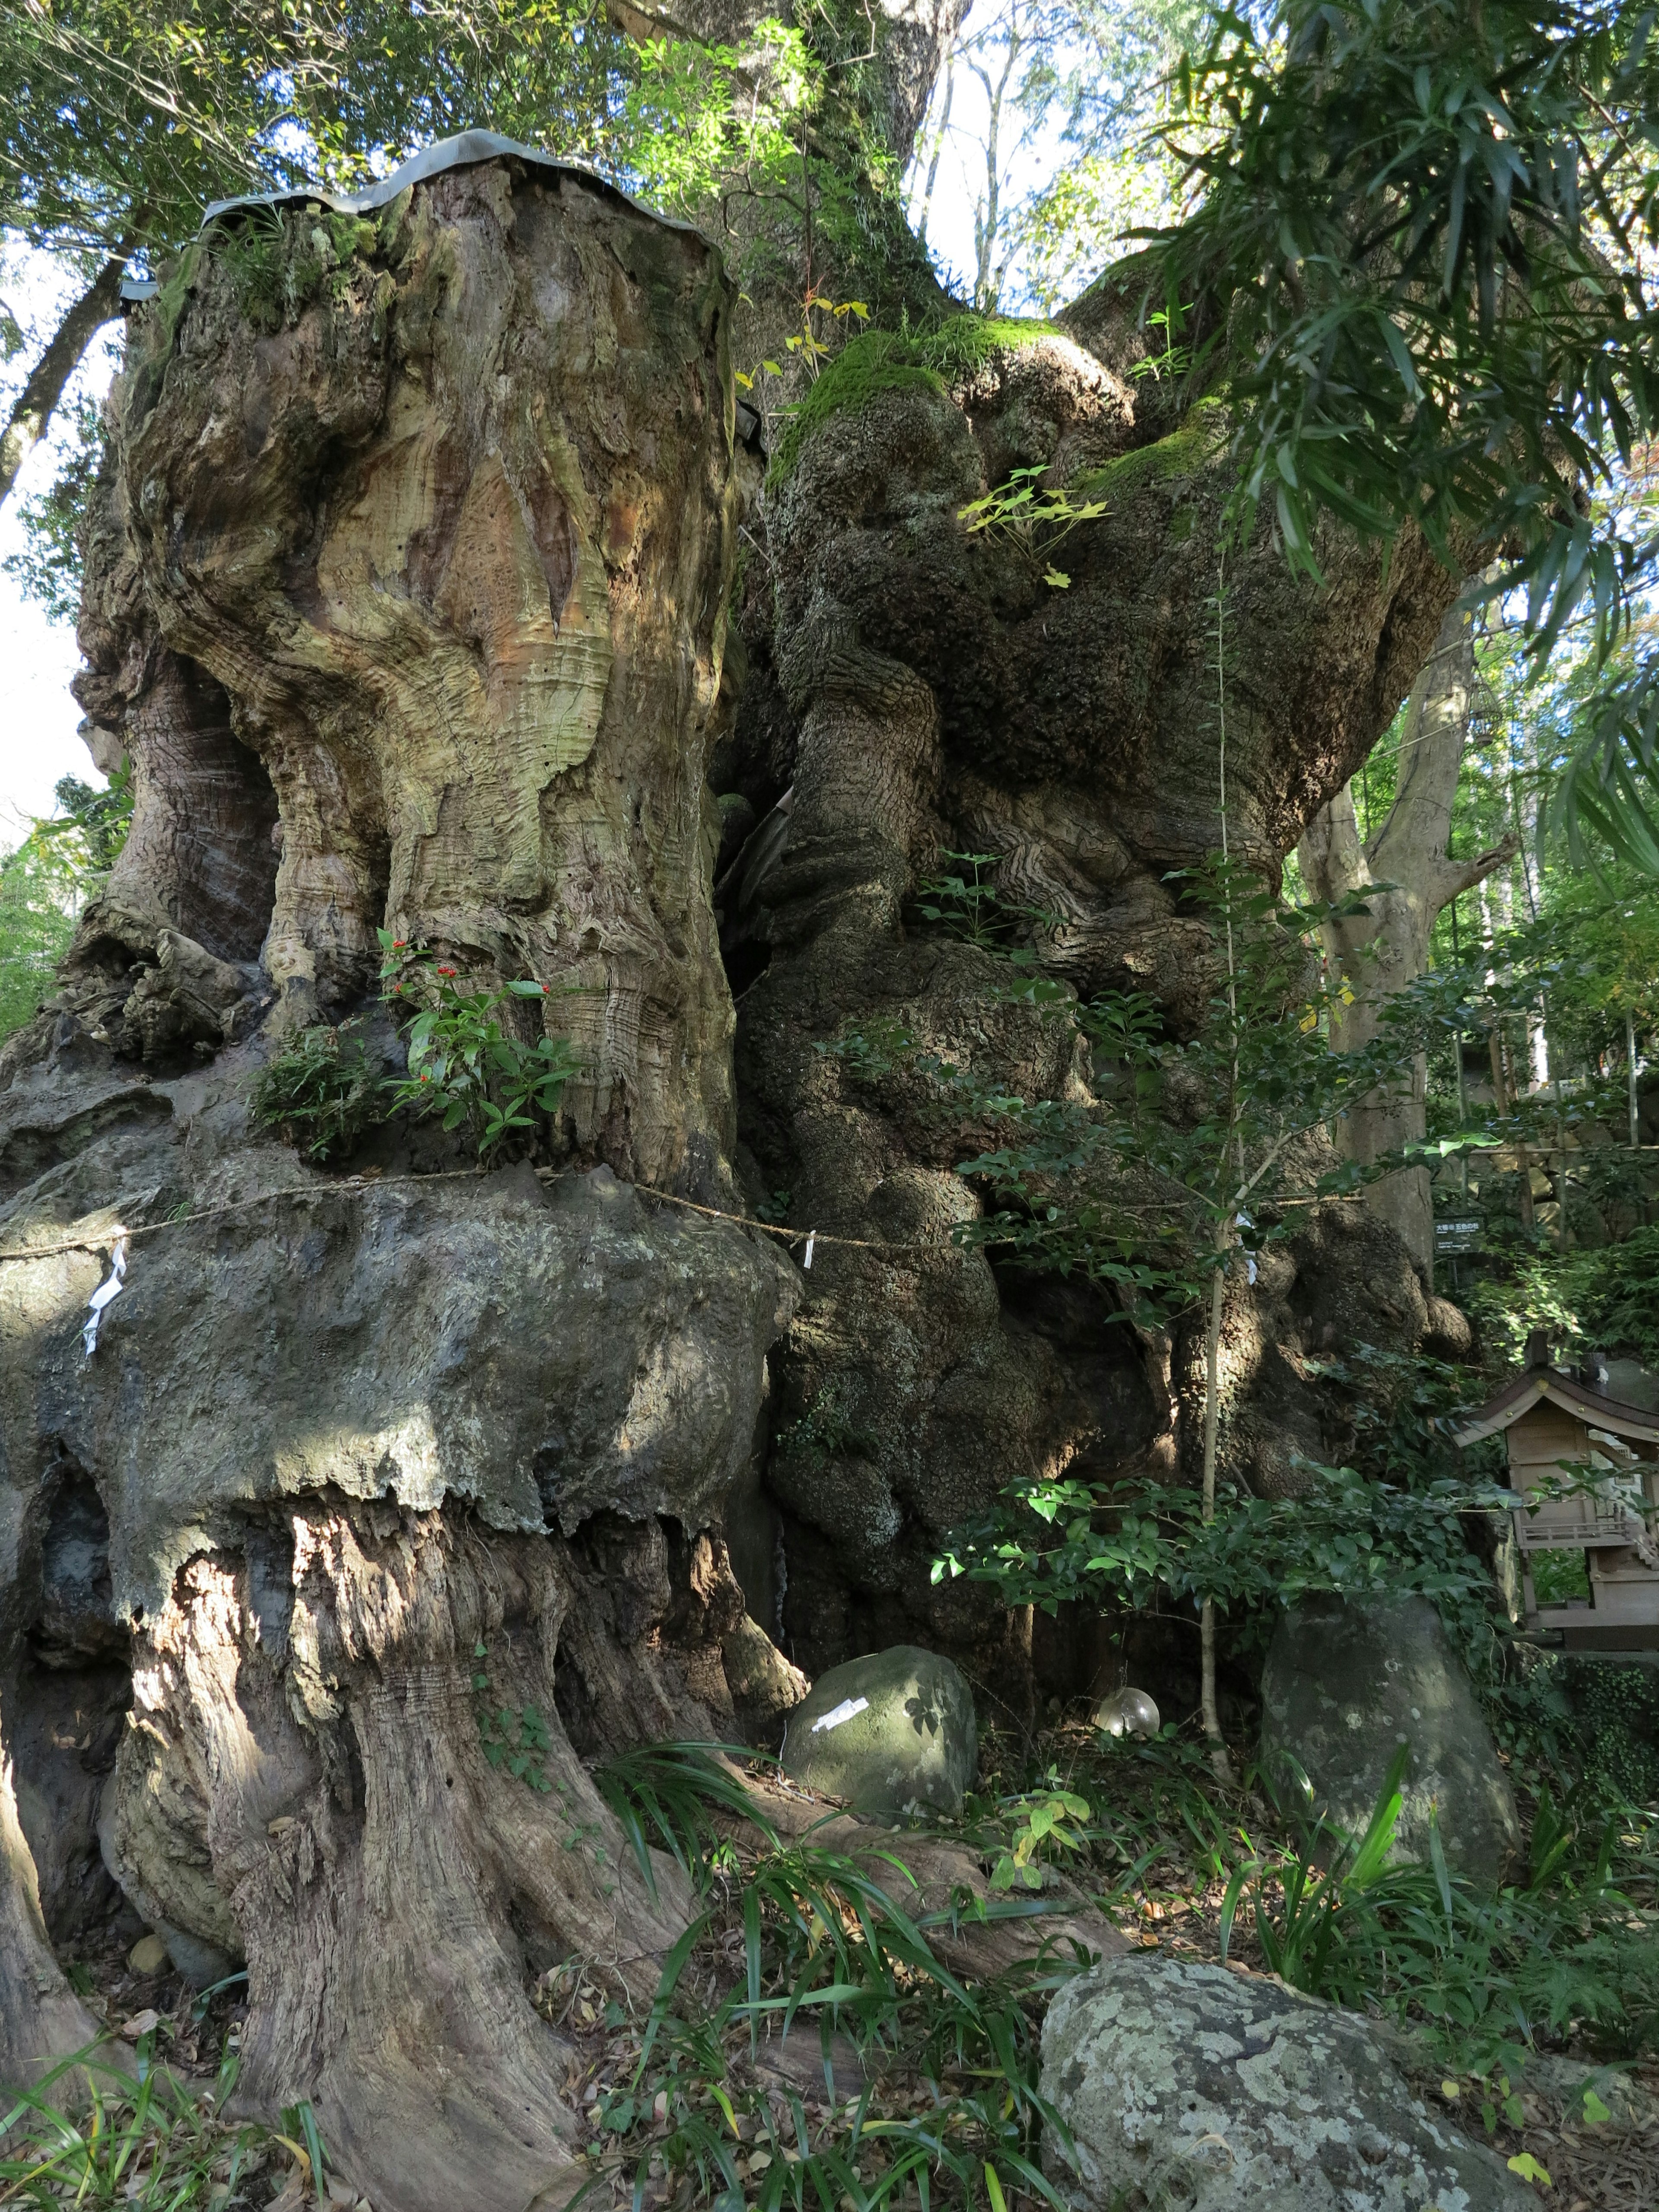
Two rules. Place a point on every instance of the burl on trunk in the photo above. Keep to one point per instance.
(406, 596)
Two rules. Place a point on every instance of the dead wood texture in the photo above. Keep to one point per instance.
(406, 597)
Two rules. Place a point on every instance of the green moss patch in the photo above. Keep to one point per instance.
(1183, 453)
(894, 360)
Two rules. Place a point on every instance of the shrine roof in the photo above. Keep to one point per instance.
(1539, 1386)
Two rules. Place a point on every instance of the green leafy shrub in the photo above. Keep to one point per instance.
(1607, 1297)
(97, 822)
(967, 903)
(39, 896)
(1616, 1710)
(1042, 1823)
(1048, 1542)
(515, 1738)
(1617, 1291)
(1565, 1951)
(1026, 513)
(463, 1064)
(1559, 1576)
(45, 883)
(278, 262)
(46, 567)
(322, 1093)
(829, 1429)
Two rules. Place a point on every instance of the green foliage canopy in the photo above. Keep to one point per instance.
(44, 884)
(1420, 261)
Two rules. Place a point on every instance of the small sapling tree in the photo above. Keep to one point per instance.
(1191, 1157)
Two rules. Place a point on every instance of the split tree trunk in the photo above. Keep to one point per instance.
(1406, 872)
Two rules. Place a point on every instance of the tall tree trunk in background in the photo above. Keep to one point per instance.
(31, 417)
(905, 56)
(937, 149)
(1380, 951)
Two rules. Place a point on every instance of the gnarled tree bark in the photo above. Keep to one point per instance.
(933, 692)
(428, 578)
(408, 593)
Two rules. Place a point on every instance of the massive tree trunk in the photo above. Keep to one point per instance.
(1406, 874)
(409, 609)
(408, 593)
(924, 689)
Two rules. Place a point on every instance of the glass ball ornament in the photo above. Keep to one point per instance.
(1128, 1713)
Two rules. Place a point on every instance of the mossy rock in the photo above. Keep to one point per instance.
(894, 1733)
(1188, 2088)
(1345, 1687)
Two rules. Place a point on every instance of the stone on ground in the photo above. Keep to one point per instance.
(893, 1733)
(1191, 2087)
(1571, 2081)
(1345, 1685)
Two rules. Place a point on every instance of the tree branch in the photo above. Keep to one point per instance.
(1454, 876)
(32, 415)
(1331, 852)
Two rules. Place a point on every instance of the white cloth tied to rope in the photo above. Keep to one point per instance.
(110, 1288)
(810, 1242)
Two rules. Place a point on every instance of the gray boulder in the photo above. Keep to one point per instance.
(893, 1733)
(1630, 2103)
(1190, 2087)
(1345, 1685)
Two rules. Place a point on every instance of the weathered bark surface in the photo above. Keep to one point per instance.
(931, 692)
(1383, 950)
(426, 576)
(62, 1686)
(338, 1448)
(41, 2015)
(444, 559)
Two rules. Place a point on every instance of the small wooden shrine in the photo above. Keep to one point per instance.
(1566, 1428)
